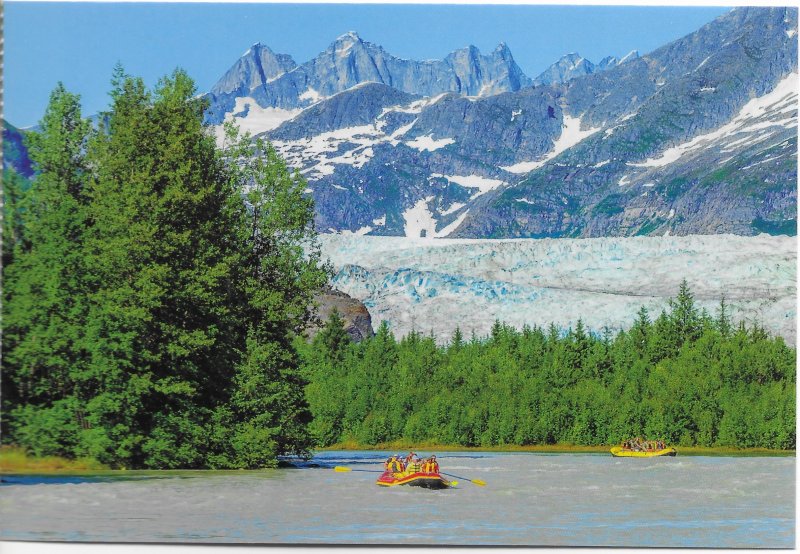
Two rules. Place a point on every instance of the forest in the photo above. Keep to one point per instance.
(152, 285)
(157, 289)
(686, 377)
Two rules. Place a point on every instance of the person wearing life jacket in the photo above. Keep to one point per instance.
(414, 465)
(397, 465)
(431, 465)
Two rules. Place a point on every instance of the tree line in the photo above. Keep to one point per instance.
(153, 284)
(685, 377)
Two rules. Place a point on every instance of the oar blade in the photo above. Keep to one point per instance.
(341, 469)
(479, 482)
(453, 483)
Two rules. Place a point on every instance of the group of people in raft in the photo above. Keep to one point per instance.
(639, 445)
(411, 464)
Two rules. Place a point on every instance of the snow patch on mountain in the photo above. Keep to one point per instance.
(447, 230)
(454, 207)
(394, 137)
(252, 118)
(571, 134)
(483, 184)
(419, 221)
(427, 142)
(759, 113)
(311, 95)
(318, 150)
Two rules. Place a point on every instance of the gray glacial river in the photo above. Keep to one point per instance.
(530, 499)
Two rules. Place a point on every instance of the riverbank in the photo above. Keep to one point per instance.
(555, 449)
(14, 459)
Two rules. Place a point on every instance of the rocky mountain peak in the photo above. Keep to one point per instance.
(256, 67)
(349, 36)
(503, 52)
(567, 67)
(632, 55)
(607, 63)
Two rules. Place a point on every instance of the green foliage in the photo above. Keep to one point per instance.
(156, 288)
(783, 227)
(610, 205)
(685, 378)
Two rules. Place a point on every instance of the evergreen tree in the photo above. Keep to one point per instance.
(527, 387)
(282, 271)
(684, 316)
(333, 339)
(152, 317)
(44, 288)
(457, 342)
(723, 322)
(14, 188)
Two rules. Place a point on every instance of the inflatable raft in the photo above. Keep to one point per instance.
(621, 452)
(419, 479)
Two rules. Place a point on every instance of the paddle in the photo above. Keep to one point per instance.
(342, 469)
(476, 481)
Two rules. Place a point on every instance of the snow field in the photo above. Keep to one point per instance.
(571, 134)
(758, 114)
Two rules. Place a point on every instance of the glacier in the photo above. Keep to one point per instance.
(434, 285)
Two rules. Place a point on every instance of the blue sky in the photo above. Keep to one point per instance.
(79, 43)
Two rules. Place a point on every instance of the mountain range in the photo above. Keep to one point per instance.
(697, 137)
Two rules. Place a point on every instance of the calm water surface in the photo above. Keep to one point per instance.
(530, 499)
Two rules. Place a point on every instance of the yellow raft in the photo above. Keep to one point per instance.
(620, 452)
(416, 479)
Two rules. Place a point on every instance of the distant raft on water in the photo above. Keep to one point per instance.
(637, 448)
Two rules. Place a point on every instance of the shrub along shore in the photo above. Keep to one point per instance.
(14, 460)
(554, 449)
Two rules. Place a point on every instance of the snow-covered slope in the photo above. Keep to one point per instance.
(696, 137)
(437, 284)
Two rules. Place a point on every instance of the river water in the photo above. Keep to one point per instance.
(529, 499)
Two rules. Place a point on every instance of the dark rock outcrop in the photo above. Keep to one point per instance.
(357, 321)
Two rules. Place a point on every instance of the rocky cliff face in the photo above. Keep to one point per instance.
(696, 137)
(15, 154)
(357, 321)
(574, 65)
(350, 61)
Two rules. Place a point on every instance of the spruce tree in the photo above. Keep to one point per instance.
(14, 189)
(151, 319)
(44, 288)
(281, 270)
(723, 322)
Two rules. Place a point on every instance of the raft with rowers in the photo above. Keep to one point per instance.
(412, 471)
(638, 448)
